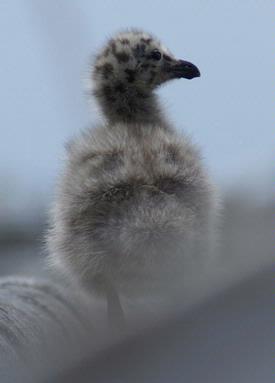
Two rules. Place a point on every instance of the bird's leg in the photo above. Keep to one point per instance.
(115, 312)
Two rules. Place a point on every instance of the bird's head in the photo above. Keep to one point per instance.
(133, 64)
(136, 59)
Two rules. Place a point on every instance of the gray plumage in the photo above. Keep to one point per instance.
(134, 206)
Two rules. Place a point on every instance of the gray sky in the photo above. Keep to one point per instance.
(45, 50)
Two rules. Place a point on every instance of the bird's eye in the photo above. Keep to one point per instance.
(156, 55)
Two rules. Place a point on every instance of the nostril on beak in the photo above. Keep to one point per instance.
(185, 64)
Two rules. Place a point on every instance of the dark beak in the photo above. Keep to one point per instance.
(185, 69)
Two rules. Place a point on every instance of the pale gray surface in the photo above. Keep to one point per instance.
(229, 339)
(43, 326)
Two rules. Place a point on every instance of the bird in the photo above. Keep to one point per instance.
(134, 205)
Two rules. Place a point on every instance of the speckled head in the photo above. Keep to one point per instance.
(133, 64)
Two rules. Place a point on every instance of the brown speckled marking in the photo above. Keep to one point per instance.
(107, 69)
(139, 50)
(131, 75)
(113, 46)
(122, 57)
(125, 41)
(106, 52)
(146, 41)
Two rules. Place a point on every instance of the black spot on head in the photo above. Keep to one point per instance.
(131, 75)
(146, 41)
(122, 57)
(113, 46)
(125, 41)
(167, 58)
(106, 52)
(139, 50)
(106, 69)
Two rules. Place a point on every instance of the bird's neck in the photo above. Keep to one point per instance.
(122, 104)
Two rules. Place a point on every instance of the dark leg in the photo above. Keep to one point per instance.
(115, 312)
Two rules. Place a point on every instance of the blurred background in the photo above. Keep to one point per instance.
(46, 48)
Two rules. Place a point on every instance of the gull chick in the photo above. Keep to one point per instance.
(134, 206)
